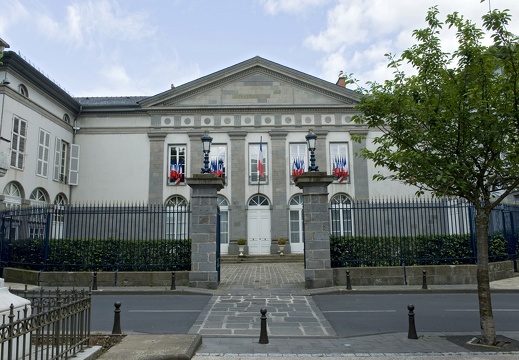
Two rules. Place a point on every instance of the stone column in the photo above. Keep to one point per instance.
(279, 189)
(239, 172)
(204, 188)
(318, 269)
(158, 170)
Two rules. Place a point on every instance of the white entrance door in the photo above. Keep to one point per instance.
(259, 230)
(258, 225)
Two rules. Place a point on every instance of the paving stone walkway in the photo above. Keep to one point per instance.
(238, 315)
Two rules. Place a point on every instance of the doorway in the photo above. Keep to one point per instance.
(258, 225)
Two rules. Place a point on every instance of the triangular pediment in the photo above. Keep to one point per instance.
(254, 83)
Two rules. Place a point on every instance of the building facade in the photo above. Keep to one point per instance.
(61, 149)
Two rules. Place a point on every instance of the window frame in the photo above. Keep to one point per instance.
(340, 158)
(18, 142)
(218, 160)
(253, 163)
(296, 157)
(173, 178)
(42, 161)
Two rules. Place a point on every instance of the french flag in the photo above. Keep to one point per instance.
(261, 168)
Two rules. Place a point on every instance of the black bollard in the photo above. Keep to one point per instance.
(94, 281)
(173, 285)
(424, 281)
(264, 339)
(348, 281)
(117, 319)
(412, 328)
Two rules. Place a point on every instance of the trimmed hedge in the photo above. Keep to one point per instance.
(98, 255)
(356, 251)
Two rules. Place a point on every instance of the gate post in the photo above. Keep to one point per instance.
(204, 205)
(318, 268)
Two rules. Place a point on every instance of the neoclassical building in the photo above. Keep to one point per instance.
(55, 148)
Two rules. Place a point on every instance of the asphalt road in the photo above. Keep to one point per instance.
(349, 314)
(149, 314)
(354, 315)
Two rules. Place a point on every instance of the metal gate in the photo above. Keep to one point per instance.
(218, 243)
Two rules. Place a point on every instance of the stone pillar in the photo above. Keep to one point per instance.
(279, 189)
(158, 172)
(239, 168)
(316, 215)
(204, 188)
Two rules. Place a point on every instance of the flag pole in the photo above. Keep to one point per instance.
(259, 159)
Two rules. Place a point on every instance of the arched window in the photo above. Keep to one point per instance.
(12, 196)
(22, 89)
(223, 204)
(177, 216)
(60, 200)
(295, 218)
(259, 200)
(340, 215)
(38, 196)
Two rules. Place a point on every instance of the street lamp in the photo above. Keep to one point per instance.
(206, 147)
(310, 141)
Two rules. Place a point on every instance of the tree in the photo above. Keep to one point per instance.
(452, 126)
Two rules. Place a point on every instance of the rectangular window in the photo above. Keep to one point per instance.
(258, 164)
(218, 160)
(60, 161)
(177, 165)
(42, 163)
(66, 162)
(340, 162)
(298, 159)
(18, 140)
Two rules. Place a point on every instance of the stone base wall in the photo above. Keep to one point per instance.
(413, 275)
(104, 279)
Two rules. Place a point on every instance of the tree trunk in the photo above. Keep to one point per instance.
(486, 317)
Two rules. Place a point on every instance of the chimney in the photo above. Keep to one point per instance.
(172, 86)
(341, 81)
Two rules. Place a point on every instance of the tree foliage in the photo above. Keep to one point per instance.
(452, 126)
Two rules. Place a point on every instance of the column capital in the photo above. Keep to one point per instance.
(313, 178)
(205, 180)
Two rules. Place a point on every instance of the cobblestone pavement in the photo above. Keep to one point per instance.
(267, 278)
(247, 288)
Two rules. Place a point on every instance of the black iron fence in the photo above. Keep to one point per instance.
(416, 231)
(53, 326)
(102, 237)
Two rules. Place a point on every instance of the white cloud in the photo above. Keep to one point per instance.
(358, 33)
(94, 22)
(274, 7)
(12, 12)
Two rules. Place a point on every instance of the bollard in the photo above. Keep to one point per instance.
(264, 339)
(173, 286)
(94, 281)
(412, 328)
(424, 281)
(348, 281)
(117, 319)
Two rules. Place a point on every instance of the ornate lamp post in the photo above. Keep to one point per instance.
(206, 147)
(310, 141)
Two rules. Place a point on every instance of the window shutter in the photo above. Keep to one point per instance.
(73, 174)
(57, 159)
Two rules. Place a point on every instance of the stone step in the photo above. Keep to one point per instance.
(233, 259)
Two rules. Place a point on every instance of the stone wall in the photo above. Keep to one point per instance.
(413, 275)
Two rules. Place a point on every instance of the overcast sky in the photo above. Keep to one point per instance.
(135, 47)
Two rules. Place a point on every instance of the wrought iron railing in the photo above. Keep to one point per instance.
(100, 237)
(55, 326)
(394, 232)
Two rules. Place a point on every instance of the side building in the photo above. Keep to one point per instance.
(63, 149)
